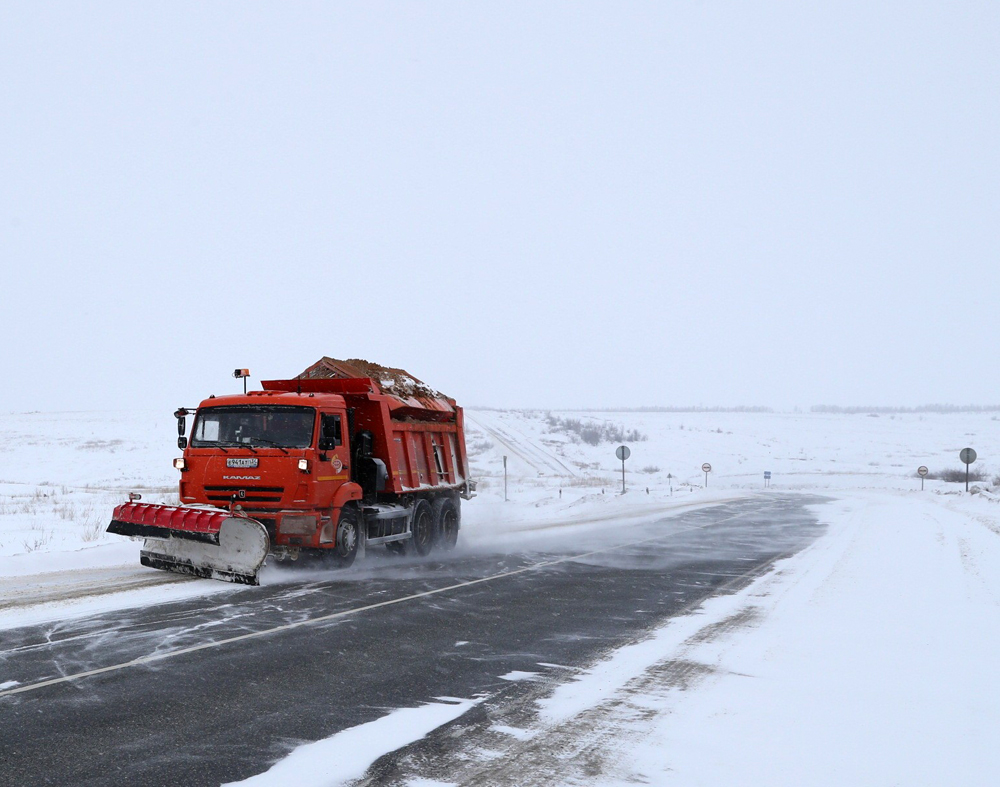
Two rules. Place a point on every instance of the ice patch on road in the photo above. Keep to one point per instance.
(519, 675)
(514, 732)
(348, 754)
(9, 684)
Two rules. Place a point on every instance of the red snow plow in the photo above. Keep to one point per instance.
(203, 542)
(345, 455)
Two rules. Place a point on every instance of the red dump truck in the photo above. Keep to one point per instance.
(346, 455)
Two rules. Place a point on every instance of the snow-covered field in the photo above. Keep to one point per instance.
(865, 659)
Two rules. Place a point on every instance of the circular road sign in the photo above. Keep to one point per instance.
(922, 471)
(622, 452)
(706, 468)
(967, 455)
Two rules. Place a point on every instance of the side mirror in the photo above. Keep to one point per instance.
(330, 436)
(182, 443)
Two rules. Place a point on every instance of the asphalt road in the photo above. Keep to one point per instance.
(226, 685)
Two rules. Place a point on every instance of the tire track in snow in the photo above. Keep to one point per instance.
(540, 459)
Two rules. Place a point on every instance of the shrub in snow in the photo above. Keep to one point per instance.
(594, 432)
(480, 445)
(957, 476)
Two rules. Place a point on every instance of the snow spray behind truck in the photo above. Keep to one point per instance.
(345, 454)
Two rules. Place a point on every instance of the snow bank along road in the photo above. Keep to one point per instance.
(218, 688)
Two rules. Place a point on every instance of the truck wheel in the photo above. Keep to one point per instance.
(348, 537)
(422, 528)
(446, 522)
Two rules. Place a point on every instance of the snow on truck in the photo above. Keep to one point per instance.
(347, 454)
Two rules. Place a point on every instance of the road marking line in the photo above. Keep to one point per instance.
(154, 657)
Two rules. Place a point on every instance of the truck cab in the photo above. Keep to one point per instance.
(283, 459)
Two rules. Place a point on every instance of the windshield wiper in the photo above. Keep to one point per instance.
(230, 443)
(272, 443)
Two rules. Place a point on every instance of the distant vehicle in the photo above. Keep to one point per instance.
(348, 452)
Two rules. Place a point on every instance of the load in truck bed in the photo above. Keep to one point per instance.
(394, 382)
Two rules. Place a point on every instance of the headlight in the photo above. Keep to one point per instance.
(304, 465)
(298, 524)
(180, 464)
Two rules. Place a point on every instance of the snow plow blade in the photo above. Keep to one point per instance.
(202, 542)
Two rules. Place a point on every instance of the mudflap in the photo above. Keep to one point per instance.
(241, 550)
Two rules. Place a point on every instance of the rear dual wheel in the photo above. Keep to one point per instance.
(446, 521)
(431, 524)
(422, 528)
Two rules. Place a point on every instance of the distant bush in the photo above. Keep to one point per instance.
(924, 408)
(589, 481)
(956, 476)
(681, 409)
(480, 445)
(594, 433)
(650, 469)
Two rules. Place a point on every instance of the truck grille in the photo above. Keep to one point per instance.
(255, 494)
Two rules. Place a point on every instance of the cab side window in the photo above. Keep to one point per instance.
(330, 434)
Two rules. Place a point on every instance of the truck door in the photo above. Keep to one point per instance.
(334, 456)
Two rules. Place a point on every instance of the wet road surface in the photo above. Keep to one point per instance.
(216, 689)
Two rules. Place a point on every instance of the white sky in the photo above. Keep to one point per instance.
(534, 204)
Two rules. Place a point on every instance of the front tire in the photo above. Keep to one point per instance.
(347, 539)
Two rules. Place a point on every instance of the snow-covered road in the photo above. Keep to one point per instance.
(319, 654)
(866, 659)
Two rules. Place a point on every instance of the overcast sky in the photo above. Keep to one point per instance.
(535, 204)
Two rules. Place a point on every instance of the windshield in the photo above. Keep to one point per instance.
(273, 426)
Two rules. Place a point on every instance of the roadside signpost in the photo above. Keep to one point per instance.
(767, 478)
(505, 478)
(706, 469)
(623, 453)
(670, 480)
(922, 472)
(968, 456)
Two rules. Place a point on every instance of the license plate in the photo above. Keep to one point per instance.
(251, 462)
